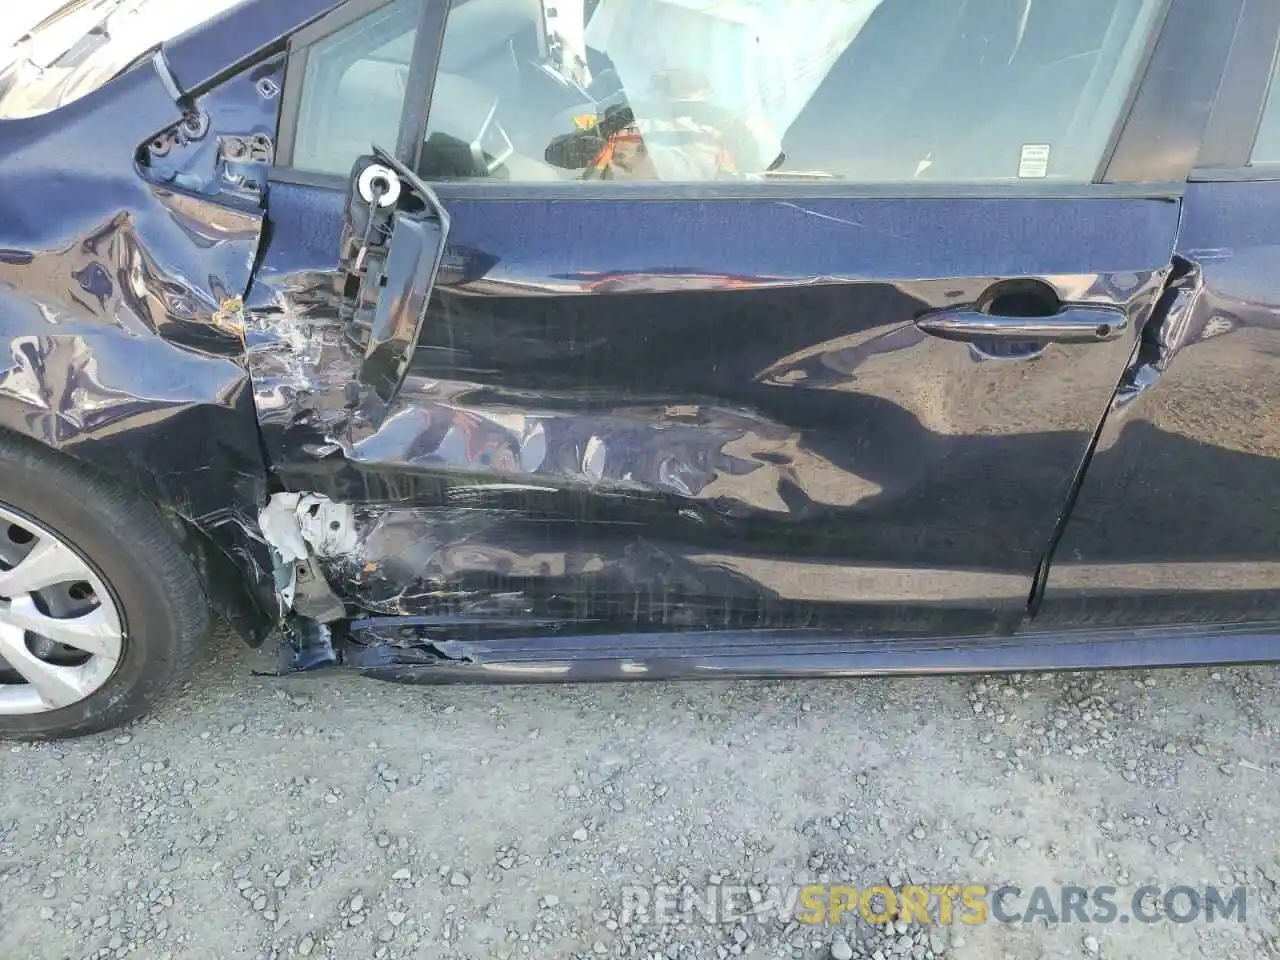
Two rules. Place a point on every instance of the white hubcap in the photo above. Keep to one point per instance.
(60, 633)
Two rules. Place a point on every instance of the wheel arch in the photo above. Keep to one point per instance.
(122, 341)
(235, 584)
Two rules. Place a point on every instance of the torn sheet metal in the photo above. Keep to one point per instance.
(307, 644)
(299, 527)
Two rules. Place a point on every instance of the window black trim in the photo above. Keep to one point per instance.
(1260, 172)
(1162, 135)
(290, 105)
(422, 81)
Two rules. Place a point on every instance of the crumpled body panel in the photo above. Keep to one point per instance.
(748, 435)
(120, 317)
(1178, 518)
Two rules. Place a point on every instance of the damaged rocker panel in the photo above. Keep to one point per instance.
(403, 651)
(732, 436)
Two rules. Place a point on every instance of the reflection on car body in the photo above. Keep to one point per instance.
(635, 338)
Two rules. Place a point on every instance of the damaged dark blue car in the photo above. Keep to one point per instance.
(519, 340)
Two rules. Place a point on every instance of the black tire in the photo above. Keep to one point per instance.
(162, 605)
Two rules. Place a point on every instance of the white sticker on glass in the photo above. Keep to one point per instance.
(1035, 161)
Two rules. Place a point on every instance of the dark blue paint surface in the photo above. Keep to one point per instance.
(706, 414)
(708, 428)
(205, 54)
(808, 239)
(1178, 520)
(120, 312)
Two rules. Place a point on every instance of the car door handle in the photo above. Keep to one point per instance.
(1068, 325)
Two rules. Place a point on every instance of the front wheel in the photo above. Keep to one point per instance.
(100, 609)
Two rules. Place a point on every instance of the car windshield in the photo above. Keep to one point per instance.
(81, 44)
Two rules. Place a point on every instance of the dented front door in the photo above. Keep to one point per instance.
(630, 415)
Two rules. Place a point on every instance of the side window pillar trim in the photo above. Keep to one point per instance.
(421, 82)
(1162, 135)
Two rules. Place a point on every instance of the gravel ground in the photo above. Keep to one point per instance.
(333, 816)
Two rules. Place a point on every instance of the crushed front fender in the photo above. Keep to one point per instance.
(127, 240)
